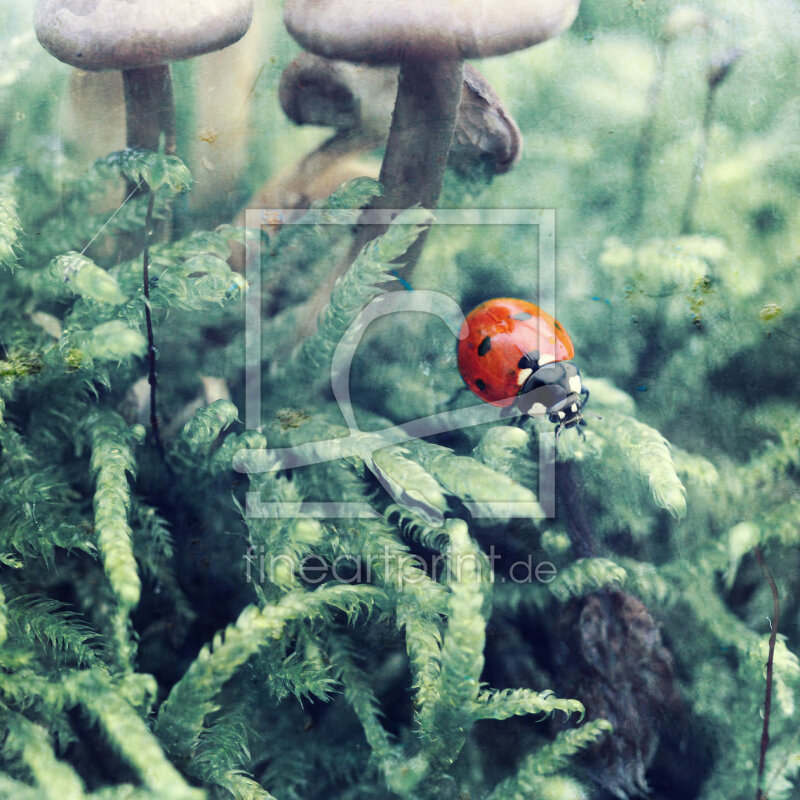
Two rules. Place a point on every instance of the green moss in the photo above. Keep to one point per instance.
(191, 619)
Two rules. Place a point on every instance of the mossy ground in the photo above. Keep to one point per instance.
(143, 653)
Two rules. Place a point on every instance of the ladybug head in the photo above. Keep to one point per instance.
(555, 391)
(566, 413)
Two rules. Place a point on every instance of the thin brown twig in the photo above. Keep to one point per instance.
(776, 612)
(151, 346)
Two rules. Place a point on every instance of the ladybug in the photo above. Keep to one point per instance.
(508, 348)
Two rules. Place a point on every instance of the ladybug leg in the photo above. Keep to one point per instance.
(584, 400)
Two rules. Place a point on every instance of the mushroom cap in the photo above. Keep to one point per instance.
(315, 91)
(380, 31)
(486, 138)
(321, 91)
(131, 34)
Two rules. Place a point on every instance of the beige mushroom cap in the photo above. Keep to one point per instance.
(130, 34)
(382, 31)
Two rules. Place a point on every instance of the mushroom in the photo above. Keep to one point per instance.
(315, 91)
(429, 40)
(140, 38)
(356, 100)
(487, 139)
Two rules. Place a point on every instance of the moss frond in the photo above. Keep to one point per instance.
(586, 575)
(647, 452)
(128, 735)
(9, 221)
(549, 759)
(516, 702)
(357, 287)
(30, 744)
(490, 493)
(447, 715)
(60, 632)
(181, 717)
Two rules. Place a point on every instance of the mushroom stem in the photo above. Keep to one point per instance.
(149, 107)
(698, 165)
(644, 147)
(717, 72)
(428, 94)
(423, 122)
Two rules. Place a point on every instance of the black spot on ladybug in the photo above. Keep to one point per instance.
(520, 315)
(480, 384)
(485, 346)
(558, 325)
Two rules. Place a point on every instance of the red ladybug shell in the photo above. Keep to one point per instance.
(499, 333)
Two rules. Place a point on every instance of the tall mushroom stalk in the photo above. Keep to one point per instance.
(149, 107)
(424, 119)
(140, 38)
(357, 101)
(429, 40)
